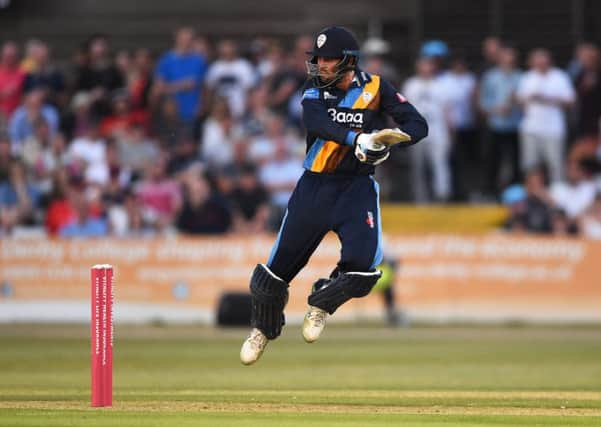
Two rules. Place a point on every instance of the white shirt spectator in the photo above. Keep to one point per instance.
(231, 80)
(539, 117)
(431, 98)
(93, 152)
(217, 147)
(460, 88)
(573, 199)
(282, 174)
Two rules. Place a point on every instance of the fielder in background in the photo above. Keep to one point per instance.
(345, 113)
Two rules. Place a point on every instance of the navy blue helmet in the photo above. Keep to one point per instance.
(333, 42)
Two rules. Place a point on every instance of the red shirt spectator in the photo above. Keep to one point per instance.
(11, 79)
(159, 195)
(123, 118)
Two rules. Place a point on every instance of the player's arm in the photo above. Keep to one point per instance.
(410, 121)
(318, 122)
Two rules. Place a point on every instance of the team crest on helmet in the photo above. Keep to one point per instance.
(321, 40)
(367, 96)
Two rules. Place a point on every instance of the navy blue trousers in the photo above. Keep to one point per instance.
(347, 205)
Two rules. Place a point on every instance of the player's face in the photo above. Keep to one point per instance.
(327, 67)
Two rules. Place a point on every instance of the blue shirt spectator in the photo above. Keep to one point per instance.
(90, 227)
(22, 123)
(180, 74)
(497, 94)
(15, 191)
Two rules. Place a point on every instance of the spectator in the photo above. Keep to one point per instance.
(204, 210)
(257, 113)
(220, 135)
(141, 80)
(127, 219)
(88, 153)
(84, 224)
(279, 175)
(251, 202)
(120, 177)
(545, 92)
(376, 52)
(230, 77)
(436, 51)
(575, 195)
(124, 63)
(68, 187)
(135, 150)
(498, 102)
(429, 95)
(44, 75)
(258, 54)
(30, 61)
(531, 210)
(180, 74)
(588, 88)
(159, 195)
(302, 45)
(11, 79)
(168, 127)
(288, 76)
(491, 48)
(77, 121)
(562, 225)
(122, 119)
(262, 147)
(33, 109)
(590, 223)
(574, 67)
(42, 155)
(100, 76)
(80, 60)
(18, 197)
(201, 46)
(461, 88)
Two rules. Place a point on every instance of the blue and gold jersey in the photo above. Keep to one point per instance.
(334, 117)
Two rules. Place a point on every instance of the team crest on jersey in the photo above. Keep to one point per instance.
(370, 219)
(321, 40)
(367, 97)
(328, 95)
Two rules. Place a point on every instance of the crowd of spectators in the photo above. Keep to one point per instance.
(207, 138)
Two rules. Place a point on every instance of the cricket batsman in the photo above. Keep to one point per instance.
(345, 113)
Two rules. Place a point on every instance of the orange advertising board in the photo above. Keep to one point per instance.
(440, 276)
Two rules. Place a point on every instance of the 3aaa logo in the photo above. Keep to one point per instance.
(353, 119)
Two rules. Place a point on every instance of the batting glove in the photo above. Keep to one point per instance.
(367, 150)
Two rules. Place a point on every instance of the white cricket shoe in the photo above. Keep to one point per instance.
(314, 323)
(253, 347)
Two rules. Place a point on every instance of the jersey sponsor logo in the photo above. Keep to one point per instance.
(370, 219)
(311, 93)
(321, 40)
(353, 119)
(401, 98)
(367, 96)
(328, 95)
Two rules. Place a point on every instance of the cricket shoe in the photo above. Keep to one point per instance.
(253, 347)
(314, 323)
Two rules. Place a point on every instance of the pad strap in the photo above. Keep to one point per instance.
(331, 295)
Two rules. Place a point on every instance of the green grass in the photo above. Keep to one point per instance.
(367, 376)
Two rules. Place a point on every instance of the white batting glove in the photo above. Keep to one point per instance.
(367, 150)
